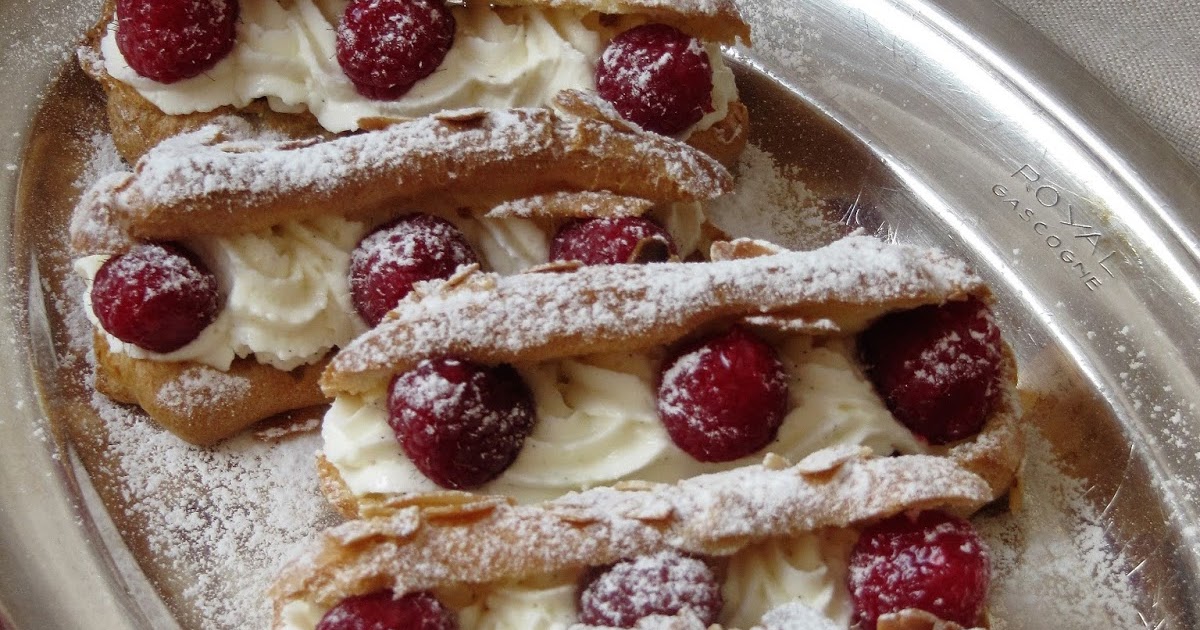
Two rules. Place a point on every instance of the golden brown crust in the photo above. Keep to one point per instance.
(996, 453)
(217, 182)
(489, 540)
(715, 20)
(137, 125)
(726, 139)
(200, 404)
(912, 619)
(335, 490)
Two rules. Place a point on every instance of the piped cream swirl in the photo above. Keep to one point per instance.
(810, 568)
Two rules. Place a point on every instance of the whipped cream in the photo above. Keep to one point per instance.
(685, 223)
(543, 603)
(508, 245)
(286, 291)
(810, 568)
(598, 424)
(286, 52)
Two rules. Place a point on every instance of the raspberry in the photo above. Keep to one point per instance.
(461, 424)
(385, 46)
(612, 241)
(381, 610)
(156, 297)
(723, 397)
(389, 260)
(657, 77)
(662, 584)
(935, 562)
(936, 367)
(171, 40)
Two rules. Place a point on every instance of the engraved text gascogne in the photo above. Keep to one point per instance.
(1061, 226)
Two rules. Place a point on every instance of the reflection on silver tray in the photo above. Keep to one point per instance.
(979, 138)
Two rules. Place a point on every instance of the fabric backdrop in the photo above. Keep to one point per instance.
(1145, 51)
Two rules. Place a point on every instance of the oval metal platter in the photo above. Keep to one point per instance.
(954, 120)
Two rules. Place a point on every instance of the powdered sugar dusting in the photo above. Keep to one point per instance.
(675, 389)
(408, 243)
(221, 520)
(796, 616)
(771, 202)
(461, 424)
(200, 386)
(1094, 561)
(104, 161)
(35, 47)
(1054, 559)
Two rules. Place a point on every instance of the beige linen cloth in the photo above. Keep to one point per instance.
(1145, 51)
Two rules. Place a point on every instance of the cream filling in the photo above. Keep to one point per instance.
(807, 570)
(598, 424)
(810, 569)
(286, 53)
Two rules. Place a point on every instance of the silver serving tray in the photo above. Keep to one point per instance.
(980, 137)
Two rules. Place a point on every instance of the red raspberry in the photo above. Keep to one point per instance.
(612, 241)
(461, 424)
(170, 40)
(935, 562)
(657, 77)
(381, 610)
(936, 367)
(662, 584)
(156, 297)
(390, 260)
(385, 46)
(723, 397)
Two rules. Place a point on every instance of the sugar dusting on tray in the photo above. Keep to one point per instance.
(1055, 559)
(222, 519)
(770, 202)
(225, 519)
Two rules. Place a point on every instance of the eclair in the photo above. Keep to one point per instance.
(535, 385)
(304, 68)
(278, 251)
(840, 538)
